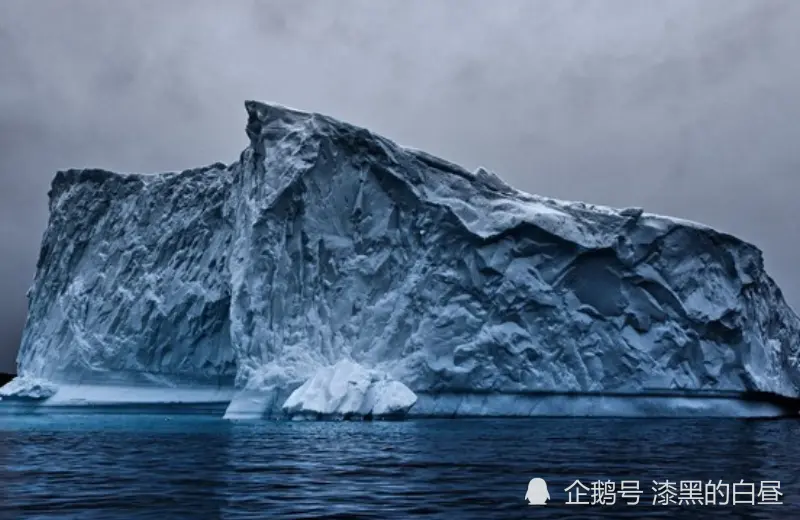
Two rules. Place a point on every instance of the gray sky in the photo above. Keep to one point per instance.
(688, 108)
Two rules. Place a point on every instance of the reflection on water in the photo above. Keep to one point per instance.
(162, 467)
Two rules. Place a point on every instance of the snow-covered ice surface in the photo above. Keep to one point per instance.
(327, 242)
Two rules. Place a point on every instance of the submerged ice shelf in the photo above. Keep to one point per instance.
(328, 246)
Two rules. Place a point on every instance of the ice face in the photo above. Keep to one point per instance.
(326, 242)
(132, 282)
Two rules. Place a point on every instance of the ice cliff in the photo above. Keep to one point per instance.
(325, 242)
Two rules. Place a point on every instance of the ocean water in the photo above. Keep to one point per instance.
(169, 467)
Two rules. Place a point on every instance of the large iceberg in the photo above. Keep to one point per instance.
(238, 283)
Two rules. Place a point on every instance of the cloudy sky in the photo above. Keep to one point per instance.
(688, 108)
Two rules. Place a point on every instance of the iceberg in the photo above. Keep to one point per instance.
(348, 390)
(247, 285)
(27, 389)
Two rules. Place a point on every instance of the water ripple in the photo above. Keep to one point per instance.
(106, 467)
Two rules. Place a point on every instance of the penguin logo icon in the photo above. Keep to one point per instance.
(537, 494)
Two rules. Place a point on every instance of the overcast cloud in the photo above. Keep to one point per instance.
(688, 108)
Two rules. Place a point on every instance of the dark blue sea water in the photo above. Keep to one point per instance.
(161, 467)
